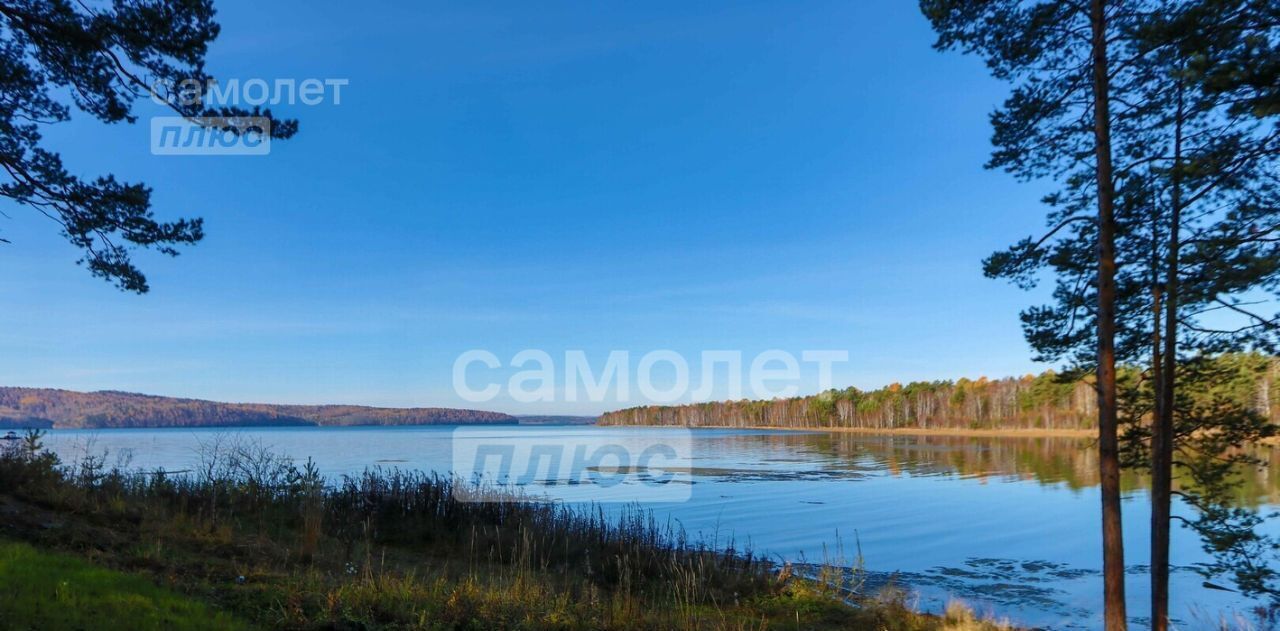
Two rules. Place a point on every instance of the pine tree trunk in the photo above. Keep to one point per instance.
(1162, 427)
(1161, 477)
(1108, 421)
(1161, 483)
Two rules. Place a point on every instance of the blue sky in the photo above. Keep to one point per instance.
(502, 176)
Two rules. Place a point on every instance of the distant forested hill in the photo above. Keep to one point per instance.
(1031, 402)
(41, 407)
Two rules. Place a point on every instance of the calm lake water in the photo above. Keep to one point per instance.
(1008, 525)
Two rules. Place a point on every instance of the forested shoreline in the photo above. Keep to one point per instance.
(1047, 401)
(66, 409)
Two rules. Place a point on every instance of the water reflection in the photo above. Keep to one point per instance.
(1049, 460)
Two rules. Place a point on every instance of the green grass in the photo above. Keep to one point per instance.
(382, 550)
(43, 590)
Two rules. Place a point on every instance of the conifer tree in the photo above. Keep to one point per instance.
(60, 56)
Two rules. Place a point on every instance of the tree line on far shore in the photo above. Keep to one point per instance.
(66, 409)
(1049, 400)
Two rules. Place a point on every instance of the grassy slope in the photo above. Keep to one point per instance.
(392, 587)
(393, 551)
(44, 590)
(399, 588)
